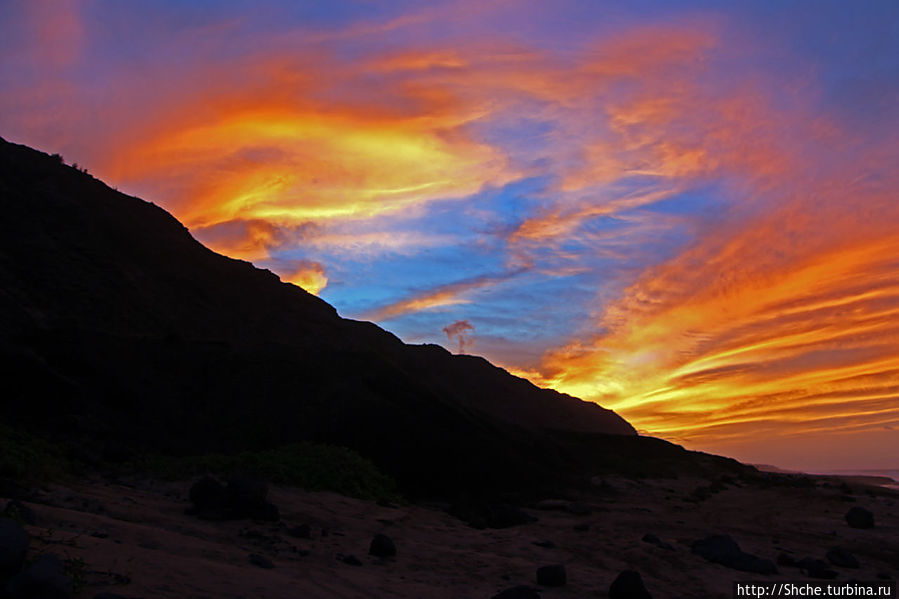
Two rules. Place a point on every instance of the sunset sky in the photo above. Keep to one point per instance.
(685, 211)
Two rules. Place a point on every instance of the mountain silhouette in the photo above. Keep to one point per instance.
(121, 334)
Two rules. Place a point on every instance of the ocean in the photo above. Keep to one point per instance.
(890, 473)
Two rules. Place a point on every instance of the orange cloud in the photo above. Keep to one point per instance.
(308, 275)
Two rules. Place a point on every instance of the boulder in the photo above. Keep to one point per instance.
(552, 576)
(722, 549)
(13, 546)
(45, 578)
(243, 497)
(350, 560)
(817, 568)
(207, 495)
(787, 561)
(382, 546)
(628, 585)
(261, 561)
(859, 517)
(654, 540)
(303, 531)
(490, 515)
(519, 592)
(842, 558)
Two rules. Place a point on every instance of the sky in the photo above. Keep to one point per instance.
(684, 211)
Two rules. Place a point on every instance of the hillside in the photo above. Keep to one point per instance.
(121, 334)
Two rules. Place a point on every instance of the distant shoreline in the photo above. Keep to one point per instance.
(881, 477)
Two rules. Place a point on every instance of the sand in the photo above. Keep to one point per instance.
(135, 540)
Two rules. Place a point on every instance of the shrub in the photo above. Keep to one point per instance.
(310, 466)
(25, 457)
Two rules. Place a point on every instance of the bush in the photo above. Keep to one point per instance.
(25, 457)
(312, 467)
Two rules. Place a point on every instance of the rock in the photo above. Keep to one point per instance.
(20, 512)
(207, 494)
(787, 561)
(351, 560)
(382, 546)
(490, 515)
(13, 546)
(44, 579)
(243, 497)
(842, 558)
(722, 549)
(654, 540)
(303, 531)
(111, 596)
(247, 493)
(552, 576)
(246, 498)
(817, 568)
(859, 517)
(519, 592)
(261, 561)
(583, 527)
(545, 544)
(268, 513)
(629, 585)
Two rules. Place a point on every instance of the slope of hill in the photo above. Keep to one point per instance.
(121, 333)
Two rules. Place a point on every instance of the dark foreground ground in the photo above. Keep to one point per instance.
(134, 539)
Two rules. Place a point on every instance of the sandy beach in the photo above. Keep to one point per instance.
(136, 541)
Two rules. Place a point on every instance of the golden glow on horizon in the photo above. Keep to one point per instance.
(809, 349)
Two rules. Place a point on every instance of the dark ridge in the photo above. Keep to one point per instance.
(120, 334)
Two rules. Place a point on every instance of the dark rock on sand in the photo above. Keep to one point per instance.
(859, 517)
(243, 497)
(842, 558)
(519, 592)
(303, 531)
(629, 585)
(13, 546)
(787, 561)
(817, 568)
(722, 549)
(207, 495)
(490, 515)
(44, 579)
(654, 540)
(246, 498)
(20, 512)
(552, 576)
(351, 560)
(382, 546)
(261, 561)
